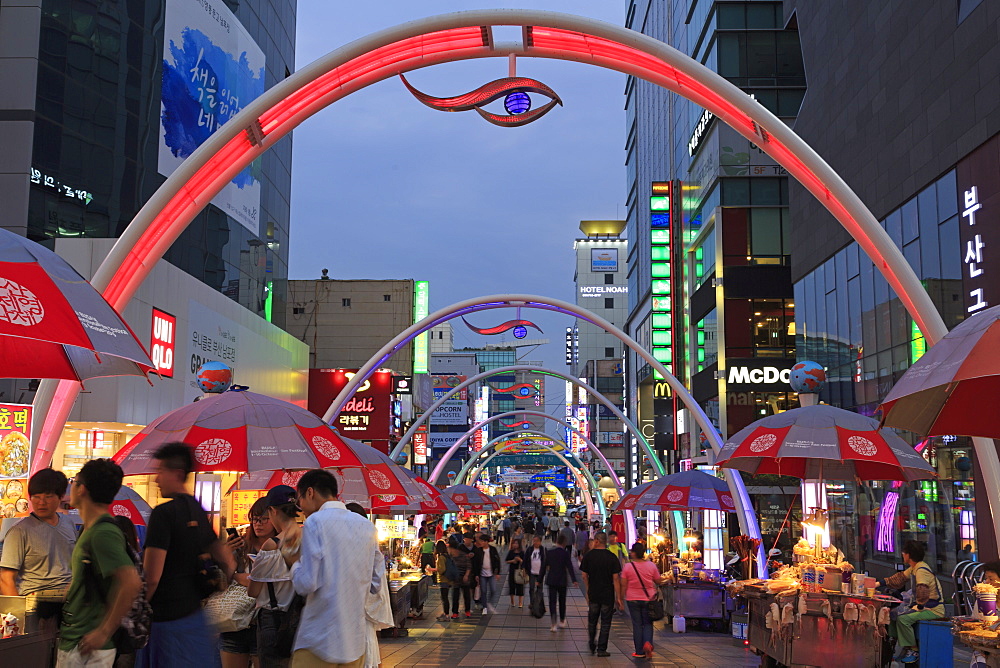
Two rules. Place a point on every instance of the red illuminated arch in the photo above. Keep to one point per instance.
(446, 38)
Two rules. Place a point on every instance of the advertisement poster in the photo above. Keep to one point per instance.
(604, 259)
(15, 440)
(451, 412)
(240, 502)
(212, 68)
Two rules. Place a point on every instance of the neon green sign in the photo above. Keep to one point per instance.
(421, 303)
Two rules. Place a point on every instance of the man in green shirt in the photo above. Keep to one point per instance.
(105, 581)
(427, 554)
(615, 547)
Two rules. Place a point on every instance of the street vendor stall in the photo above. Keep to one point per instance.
(793, 627)
(22, 643)
(408, 585)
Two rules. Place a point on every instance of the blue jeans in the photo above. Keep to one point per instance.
(187, 642)
(487, 588)
(642, 625)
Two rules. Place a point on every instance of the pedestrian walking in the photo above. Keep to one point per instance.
(519, 535)
(486, 570)
(558, 570)
(179, 539)
(271, 583)
(507, 527)
(601, 580)
(37, 551)
(616, 548)
(333, 574)
(237, 647)
(463, 580)
(447, 576)
(554, 526)
(534, 564)
(515, 572)
(104, 581)
(640, 579)
(582, 538)
(568, 533)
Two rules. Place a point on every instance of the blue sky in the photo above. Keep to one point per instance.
(384, 187)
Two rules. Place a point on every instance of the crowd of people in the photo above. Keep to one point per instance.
(116, 605)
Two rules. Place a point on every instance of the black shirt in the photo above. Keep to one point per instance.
(177, 594)
(600, 566)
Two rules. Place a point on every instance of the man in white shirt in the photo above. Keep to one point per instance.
(335, 568)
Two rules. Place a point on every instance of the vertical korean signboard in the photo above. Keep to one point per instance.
(978, 178)
(212, 68)
(421, 304)
(15, 449)
(163, 341)
(420, 446)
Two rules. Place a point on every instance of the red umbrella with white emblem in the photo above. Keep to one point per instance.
(471, 499)
(823, 442)
(679, 491)
(353, 484)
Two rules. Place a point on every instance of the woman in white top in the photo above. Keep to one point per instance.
(271, 581)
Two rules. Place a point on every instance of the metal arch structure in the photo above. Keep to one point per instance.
(423, 417)
(489, 448)
(596, 451)
(744, 509)
(463, 36)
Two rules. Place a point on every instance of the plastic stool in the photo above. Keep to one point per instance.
(935, 642)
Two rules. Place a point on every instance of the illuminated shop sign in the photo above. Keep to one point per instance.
(421, 305)
(602, 290)
(420, 447)
(700, 130)
(757, 374)
(661, 270)
(162, 342)
(978, 180)
(367, 415)
(42, 179)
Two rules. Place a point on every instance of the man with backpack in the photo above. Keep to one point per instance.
(105, 580)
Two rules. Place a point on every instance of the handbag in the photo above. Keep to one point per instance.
(654, 605)
(230, 610)
(278, 638)
(519, 577)
(537, 604)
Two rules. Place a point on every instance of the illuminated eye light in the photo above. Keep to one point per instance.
(514, 90)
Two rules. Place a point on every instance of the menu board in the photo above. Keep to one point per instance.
(14, 497)
(240, 502)
(15, 440)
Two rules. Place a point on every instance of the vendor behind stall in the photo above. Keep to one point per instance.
(926, 602)
(37, 550)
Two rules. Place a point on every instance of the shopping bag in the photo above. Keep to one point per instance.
(537, 603)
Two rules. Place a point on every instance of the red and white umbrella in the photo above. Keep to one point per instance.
(246, 431)
(54, 324)
(504, 500)
(823, 442)
(952, 388)
(436, 504)
(127, 503)
(471, 499)
(685, 490)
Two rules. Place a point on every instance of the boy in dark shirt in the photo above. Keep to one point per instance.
(601, 578)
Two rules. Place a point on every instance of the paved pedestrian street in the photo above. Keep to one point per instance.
(512, 637)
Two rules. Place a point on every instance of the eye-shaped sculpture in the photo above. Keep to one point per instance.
(514, 90)
(521, 389)
(505, 327)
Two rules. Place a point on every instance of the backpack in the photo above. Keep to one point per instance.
(133, 633)
(451, 572)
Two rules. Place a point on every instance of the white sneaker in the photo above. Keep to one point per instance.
(553, 629)
(562, 624)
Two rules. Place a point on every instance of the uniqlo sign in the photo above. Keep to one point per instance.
(978, 178)
(162, 342)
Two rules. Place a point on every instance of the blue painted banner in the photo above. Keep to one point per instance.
(526, 460)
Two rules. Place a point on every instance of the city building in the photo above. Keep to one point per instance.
(596, 355)
(709, 283)
(90, 132)
(344, 323)
(912, 125)
(441, 338)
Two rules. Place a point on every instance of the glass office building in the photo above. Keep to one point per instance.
(91, 130)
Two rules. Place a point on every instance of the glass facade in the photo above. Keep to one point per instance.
(97, 132)
(849, 320)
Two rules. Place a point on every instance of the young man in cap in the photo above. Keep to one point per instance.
(105, 581)
(37, 550)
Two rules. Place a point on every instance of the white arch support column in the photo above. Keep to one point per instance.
(600, 398)
(462, 36)
(579, 470)
(744, 509)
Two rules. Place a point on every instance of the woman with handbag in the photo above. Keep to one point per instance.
(515, 576)
(641, 590)
(271, 583)
(238, 646)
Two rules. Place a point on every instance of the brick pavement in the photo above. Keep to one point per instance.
(512, 637)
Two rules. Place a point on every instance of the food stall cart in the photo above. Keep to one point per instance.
(793, 627)
(32, 646)
(408, 585)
